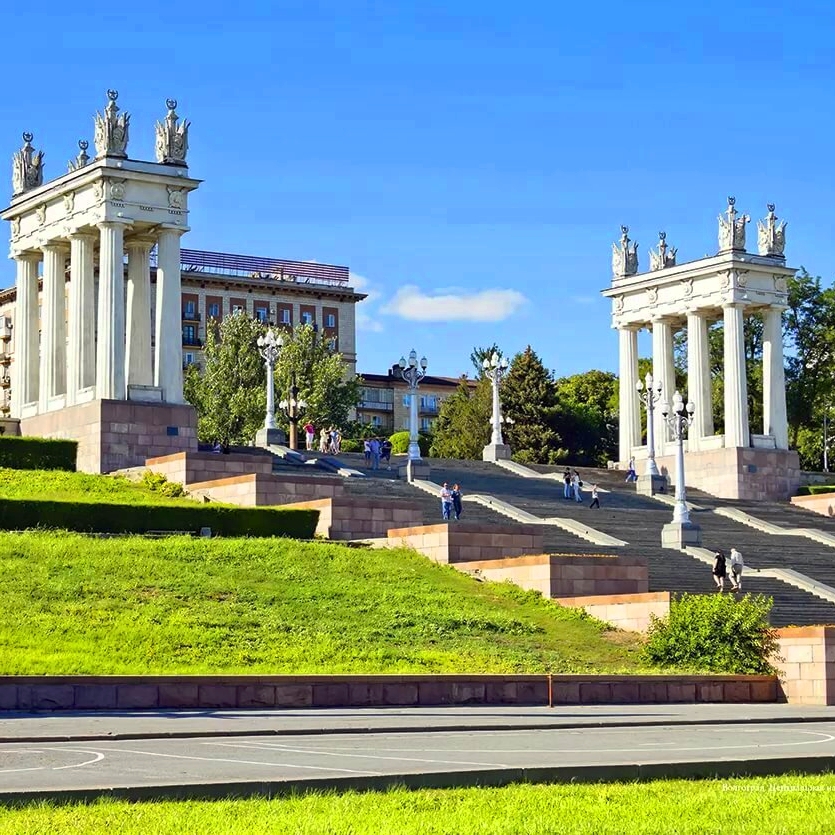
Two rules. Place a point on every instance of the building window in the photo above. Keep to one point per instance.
(189, 336)
(307, 318)
(262, 314)
(284, 316)
(372, 395)
(190, 310)
(214, 310)
(238, 308)
(189, 359)
(427, 424)
(429, 402)
(407, 400)
(376, 420)
(330, 320)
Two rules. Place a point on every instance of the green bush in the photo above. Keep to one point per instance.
(22, 514)
(400, 443)
(37, 453)
(351, 445)
(815, 489)
(715, 633)
(158, 483)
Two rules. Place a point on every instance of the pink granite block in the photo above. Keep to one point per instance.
(217, 696)
(681, 692)
(592, 693)
(94, 697)
(178, 695)
(293, 695)
(256, 695)
(400, 694)
(565, 693)
(136, 696)
(8, 697)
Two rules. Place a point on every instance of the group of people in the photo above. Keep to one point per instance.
(330, 440)
(573, 488)
(720, 570)
(377, 450)
(450, 501)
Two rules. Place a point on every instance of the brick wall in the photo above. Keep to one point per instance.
(464, 542)
(51, 693)
(116, 434)
(624, 611)
(260, 489)
(346, 518)
(807, 665)
(190, 467)
(824, 503)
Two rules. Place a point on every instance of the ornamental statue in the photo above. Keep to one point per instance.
(82, 159)
(27, 167)
(111, 137)
(624, 255)
(732, 229)
(172, 138)
(662, 258)
(771, 236)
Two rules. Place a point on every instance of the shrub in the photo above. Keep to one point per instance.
(37, 453)
(815, 489)
(351, 445)
(158, 483)
(715, 633)
(21, 514)
(400, 443)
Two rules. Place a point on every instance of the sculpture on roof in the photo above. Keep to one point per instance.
(771, 236)
(27, 167)
(662, 258)
(624, 255)
(732, 229)
(83, 157)
(172, 138)
(111, 136)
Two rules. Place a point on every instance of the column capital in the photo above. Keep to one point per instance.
(112, 223)
(54, 245)
(776, 308)
(733, 304)
(177, 230)
(26, 255)
(82, 235)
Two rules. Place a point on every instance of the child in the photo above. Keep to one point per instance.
(595, 501)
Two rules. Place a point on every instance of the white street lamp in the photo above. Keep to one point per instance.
(650, 397)
(495, 368)
(679, 416)
(413, 372)
(269, 346)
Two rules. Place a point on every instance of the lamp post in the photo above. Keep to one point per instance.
(413, 372)
(495, 368)
(651, 482)
(293, 407)
(269, 346)
(681, 531)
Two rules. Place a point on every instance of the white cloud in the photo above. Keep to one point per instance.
(410, 302)
(366, 313)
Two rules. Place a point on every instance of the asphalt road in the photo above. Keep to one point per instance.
(223, 765)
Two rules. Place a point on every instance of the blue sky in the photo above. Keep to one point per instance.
(471, 162)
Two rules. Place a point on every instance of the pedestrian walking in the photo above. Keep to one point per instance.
(595, 500)
(719, 571)
(631, 475)
(456, 501)
(309, 436)
(385, 452)
(566, 477)
(366, 448)
(736, 570)
(375, 453)
(324, 439)
(576, 484)
(446, 501)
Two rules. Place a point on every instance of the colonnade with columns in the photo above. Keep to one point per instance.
(90, 351)
(699, 389)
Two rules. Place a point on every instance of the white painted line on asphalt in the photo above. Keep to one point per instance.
(97, 757)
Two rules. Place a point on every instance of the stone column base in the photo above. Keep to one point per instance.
(496, 452)
(414, 469)
(677, 535)
(270, 437)
(649, 485)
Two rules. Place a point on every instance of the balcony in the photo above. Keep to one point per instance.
(374, 405)
(192, 342)
(191, 316)
(429, 408)
(5, 328)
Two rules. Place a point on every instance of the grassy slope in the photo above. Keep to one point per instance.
(765, 806)
(57, 485)
(74, 604)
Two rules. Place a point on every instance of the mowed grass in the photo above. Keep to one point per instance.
(74, 604)
(58, 485)
(765, 806)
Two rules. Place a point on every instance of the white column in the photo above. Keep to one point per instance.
(630, 416)
(168, 368)
(81, 351)
(699, 391)
(53, 366)
(138, 360)
(110, 353)
(736, 386)
(663, 370)
(26, 360)
(774, 379)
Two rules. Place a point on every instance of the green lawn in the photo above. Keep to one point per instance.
(58, 485)
(80, 605)
(765, 806)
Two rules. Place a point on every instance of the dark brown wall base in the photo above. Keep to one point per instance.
(50, 693)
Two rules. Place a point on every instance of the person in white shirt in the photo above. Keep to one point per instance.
(736, 570)
(576, 484)
(446, 501)
(595, 499)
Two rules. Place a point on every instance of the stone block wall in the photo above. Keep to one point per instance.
(260, 489)
(346, 518)
(567, 576)
(625, 611)
(459, 542)
(807, 665)
(823, 503)
(117, 434)
(191, 466)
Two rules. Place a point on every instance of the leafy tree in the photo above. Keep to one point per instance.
(478, 356)
(230, 393)
(463, 426)
(529, 400)
(321, 375)
(588, 416)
